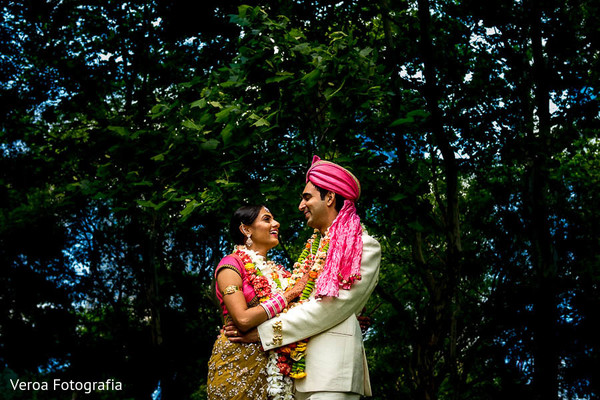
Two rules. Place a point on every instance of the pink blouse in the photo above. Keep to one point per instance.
(236, 262)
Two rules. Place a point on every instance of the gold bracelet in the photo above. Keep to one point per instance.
(231, 289)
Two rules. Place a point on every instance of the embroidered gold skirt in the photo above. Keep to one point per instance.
(237, 371)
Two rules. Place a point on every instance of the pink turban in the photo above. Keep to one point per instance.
(330, 176)
(342, 266)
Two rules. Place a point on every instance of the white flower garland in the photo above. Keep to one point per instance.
(267, 268)
(279, 387)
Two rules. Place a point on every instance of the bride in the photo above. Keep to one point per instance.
(250, 290)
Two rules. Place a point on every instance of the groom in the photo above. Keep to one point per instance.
(336, 365)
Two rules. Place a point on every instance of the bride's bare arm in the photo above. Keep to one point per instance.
(245, 318)
(230, 284)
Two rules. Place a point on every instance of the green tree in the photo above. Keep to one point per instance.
(131, 131)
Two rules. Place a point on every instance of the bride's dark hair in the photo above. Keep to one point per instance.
(243, 215)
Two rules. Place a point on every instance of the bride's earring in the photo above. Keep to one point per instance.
(249, 240)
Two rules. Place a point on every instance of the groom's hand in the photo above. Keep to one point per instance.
(235, 336)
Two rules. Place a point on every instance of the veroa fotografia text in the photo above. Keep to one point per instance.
(57, 384)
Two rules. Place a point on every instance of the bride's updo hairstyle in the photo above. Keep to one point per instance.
(243, 215)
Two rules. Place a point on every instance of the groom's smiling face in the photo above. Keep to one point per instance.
(313, 207)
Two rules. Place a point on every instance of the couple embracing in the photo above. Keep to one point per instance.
(296, 335)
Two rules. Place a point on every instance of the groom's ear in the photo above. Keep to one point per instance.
(330, 199)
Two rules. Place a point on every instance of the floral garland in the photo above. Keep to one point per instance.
(256, 267)
(290, 359)
(286, 362)
(279, 387)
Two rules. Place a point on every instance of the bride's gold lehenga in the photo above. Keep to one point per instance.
(237, 371)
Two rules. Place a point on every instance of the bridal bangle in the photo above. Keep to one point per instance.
(274, 305)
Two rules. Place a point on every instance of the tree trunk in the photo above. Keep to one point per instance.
(546, 358)
(443, 294)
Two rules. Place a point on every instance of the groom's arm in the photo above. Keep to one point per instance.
(314, 317)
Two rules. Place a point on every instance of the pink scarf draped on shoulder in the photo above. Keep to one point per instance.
(342, 266)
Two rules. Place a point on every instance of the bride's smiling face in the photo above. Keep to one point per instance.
(264, 232)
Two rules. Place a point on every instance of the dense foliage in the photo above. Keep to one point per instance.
(130, 131)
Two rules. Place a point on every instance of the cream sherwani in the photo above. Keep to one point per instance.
(335, 356)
